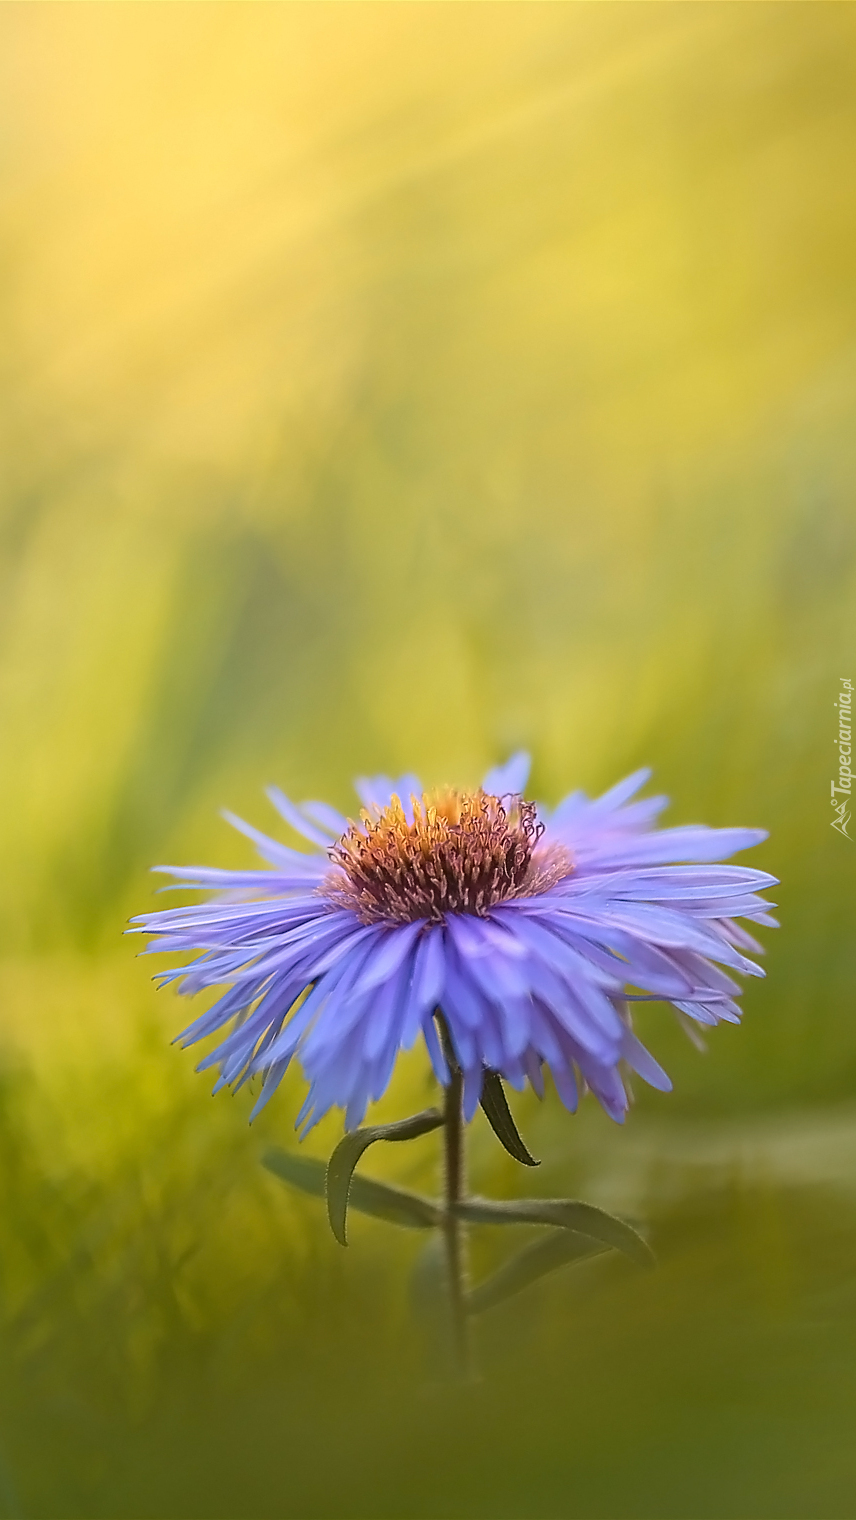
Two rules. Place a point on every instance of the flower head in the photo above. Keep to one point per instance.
(533, 932)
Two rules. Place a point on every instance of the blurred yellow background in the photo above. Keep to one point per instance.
(388, 386)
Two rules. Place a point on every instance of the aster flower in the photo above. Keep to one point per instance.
(533, 932)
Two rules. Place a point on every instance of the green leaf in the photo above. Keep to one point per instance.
(565, 1212)
(534, 1261)
(340, 1169)
(495, 1105)
(367, 1197)
(303, 1172)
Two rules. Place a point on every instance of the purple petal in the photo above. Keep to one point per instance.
(510, 778)
(620, 793)
(389, 950)
(672, 845)
(427, 984)
(534, 1071)
(643, 1062)
(438, 1060)
(293, 816)
(269, 849)
(473, 1080)
(377, 792)
(328, 818)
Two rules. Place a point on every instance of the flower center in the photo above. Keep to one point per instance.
(462, 852)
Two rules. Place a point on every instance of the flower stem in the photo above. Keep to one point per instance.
(453, 1230)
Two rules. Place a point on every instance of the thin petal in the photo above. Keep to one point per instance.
(438, 1059)
(389, 950)
(510, 778)
(328, 818)
(621, 792)
(269, 849)
(643, 1062)
(293, 816)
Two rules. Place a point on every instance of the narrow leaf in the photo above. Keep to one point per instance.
(340, 1169)
(498, 1113)
(566, 1212)
(304, 1172)
(368, 1197)
(534, 1261)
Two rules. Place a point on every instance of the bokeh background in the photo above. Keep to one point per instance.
(387, 387)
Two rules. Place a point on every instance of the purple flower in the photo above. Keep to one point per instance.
(533, 932)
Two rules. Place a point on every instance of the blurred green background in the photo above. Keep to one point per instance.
(386, 387)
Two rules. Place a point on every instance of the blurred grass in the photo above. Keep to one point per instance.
(386, 387)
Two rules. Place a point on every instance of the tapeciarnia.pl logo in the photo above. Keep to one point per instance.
(845, 775)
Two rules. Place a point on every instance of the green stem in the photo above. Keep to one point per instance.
(454, 1190)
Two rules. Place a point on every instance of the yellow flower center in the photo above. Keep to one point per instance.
(461, 853)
